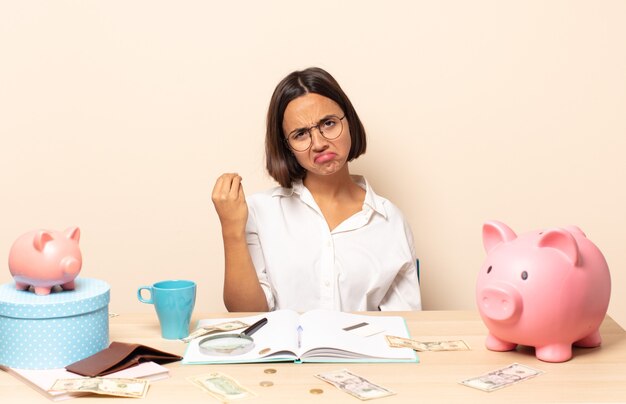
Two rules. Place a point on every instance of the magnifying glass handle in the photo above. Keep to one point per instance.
(254, 327)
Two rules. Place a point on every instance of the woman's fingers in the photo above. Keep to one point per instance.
(227, 187)
(236, 189)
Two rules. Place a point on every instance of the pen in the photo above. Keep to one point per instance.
(299, 336)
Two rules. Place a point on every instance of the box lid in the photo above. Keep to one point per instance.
(89, 295)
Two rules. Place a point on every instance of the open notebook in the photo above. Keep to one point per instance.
(314, 336)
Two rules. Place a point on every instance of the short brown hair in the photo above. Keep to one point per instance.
(280, 162)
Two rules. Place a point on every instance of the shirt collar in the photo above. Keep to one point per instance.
(372, 200)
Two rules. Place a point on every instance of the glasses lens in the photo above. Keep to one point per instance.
(300, 141)
(331, 128)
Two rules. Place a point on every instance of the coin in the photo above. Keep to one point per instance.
(266, 383)
(264, 351)
(316, 391)
(269, 371)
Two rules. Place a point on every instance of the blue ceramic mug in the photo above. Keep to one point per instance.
(174, 301)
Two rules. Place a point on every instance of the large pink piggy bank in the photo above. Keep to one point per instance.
(546, 289)
(44, 258)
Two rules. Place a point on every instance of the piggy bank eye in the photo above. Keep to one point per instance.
(524, 275)
(489, 269)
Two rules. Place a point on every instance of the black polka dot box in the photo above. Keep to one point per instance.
(55, 330)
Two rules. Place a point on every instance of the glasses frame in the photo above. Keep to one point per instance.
(319, 129)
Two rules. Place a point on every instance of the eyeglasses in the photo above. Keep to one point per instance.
(329, 127)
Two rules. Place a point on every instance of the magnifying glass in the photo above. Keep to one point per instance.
(231, 344)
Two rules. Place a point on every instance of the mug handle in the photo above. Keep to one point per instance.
(141, 299)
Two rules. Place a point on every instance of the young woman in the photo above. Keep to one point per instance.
(323, 239)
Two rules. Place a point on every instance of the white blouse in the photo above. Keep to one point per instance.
(366, 263)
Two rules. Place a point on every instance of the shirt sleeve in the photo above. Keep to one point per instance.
(404, 293)
(256, 253)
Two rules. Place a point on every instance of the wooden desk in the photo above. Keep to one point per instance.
(593, 375)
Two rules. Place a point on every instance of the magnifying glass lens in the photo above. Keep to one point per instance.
(231, 344)
(234, 345)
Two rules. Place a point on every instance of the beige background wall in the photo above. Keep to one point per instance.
(118, 116)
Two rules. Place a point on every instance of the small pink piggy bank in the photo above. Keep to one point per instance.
(44, 258)
(546, 289)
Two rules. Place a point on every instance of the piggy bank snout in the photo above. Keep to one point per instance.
(70, 265)
(500, 302)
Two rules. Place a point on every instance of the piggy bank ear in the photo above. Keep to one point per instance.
(575, 230)
(72, 233)
(494, 233)
(42, 237)
(562, 241)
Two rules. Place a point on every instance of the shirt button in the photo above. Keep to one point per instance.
(327, 283)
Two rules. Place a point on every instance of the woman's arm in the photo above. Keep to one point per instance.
(404, 293)
(242, 290)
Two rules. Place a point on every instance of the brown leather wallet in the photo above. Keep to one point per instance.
(118, 356)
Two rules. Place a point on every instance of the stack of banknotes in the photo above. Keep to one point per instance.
(227, 326)
(136, 388)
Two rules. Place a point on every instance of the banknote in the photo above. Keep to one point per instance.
(221, 386)
(106, 386)
(227, 326)
(500, 378)
(422, 346)
(354, 385)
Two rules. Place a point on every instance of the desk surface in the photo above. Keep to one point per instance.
(593, 375)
